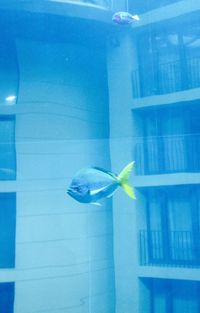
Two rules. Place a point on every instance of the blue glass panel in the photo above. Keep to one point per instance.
(8, 70)
(6, 297)
(7, 148)
(7, 229)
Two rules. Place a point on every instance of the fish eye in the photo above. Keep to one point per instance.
(83, 189)
(77, 188)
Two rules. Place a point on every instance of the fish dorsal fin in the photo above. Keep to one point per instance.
(105, 171)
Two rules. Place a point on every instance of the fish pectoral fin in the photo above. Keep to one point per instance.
(96, 203)
(95, 191)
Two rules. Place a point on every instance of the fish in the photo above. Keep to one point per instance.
(124, 18)
(92, 184)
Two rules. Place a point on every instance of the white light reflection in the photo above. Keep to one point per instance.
(136, 17)
(11, 98)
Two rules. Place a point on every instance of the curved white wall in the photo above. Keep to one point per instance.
(63, 249)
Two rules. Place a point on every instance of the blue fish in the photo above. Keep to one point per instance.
(94, 183)
(124, 18)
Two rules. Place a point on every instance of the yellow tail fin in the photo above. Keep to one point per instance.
(124, 180)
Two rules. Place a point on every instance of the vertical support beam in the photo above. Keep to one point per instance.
(121, 61)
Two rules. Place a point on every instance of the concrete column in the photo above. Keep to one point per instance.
(121, 61)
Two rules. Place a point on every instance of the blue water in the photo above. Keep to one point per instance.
(78, 91)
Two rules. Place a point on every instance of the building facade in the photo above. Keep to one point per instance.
(157, 105)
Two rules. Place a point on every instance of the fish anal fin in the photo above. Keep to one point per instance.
(96, 203)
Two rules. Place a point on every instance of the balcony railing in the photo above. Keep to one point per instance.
(166, 78)
(167, 154)
(174, 248)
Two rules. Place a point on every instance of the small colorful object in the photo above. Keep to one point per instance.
(124, 18)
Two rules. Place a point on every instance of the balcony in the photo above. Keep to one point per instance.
(167, 78)
(141, 7)
(167, 154)
(173, 248)
(84, 10)
(100, 3)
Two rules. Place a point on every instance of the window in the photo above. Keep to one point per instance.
(9, 75)
(7, 148)
(172, 227)
(169, 60)
(6, 297)
(7, 230)
(173, 296)
(170, 141)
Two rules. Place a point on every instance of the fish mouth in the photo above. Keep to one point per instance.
(69, 190)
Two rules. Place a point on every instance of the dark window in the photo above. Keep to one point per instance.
(7, 148)
(172, 229)
(6, 297)
(173, 296)
(169, 60)
(170, 141)
(7, 230)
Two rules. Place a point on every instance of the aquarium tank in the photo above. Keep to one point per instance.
(99, 156)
